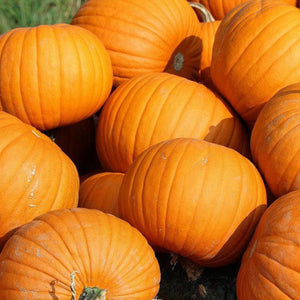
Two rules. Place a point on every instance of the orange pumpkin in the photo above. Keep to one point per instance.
(155, 107)
(194, 198)
(53, 75)
(156, 37)
(219, 8)
(256, 53)
(36, 176)
(275, 141)
(68, 253)
(101, 191)
(270, 267)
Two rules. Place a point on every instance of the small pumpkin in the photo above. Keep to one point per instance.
(36, 176)
(194, 198)
(160, 36)
(270, 267)
(78, 254)
(53, 75)
(101, 191)
(219, 8)
(275, 141)
(155, 107)
(255, 54)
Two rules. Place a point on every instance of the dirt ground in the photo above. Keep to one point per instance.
(183, 280)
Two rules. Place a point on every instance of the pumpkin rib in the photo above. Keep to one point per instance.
(283, 136)
(141, 161)
(59, 110)
(278, 124)
(45, 249)
(88, 22)
(79, 62)
(59, 182)
(287, 168)
(64, 243)
(261, 57)
(164, 103)
(116, 149)
(5, 44)
(25, 109)
(153, 91)
(36, 30)
(171, 185)
(97, 82)
(279, 264)
(144, 8)
(254, 38)
(191, 249)
(87, 272)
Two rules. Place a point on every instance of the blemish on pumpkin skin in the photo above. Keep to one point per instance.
(163, 156)
(35, 133)
(253, 249)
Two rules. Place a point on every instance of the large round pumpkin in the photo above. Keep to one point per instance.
(61, 254)
(36, 176)
(156, 36)
(256, 53)
(101, 191)
(194, 198)
(219, 8)
(53, 75)
(275, 141)
(270, 267)
(155, 107)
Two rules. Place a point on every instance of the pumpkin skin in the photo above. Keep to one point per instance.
(270, 266)
(155, 107)
(246, 77)
(53, 75)
(106, 251)
(160, 36)
(275, 141)
(36, 176)
(101, 191)
(219, 8)
(169, 193)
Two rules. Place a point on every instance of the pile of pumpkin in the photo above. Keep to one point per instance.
(194, 118)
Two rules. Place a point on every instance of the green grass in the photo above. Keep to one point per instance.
(24, 13)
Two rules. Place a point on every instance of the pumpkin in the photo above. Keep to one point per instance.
(194, 198)
(208, 29)
(219, 8)
(78, 254)
(256, 53)
(270, 267)
(78, 142)
(160, 36)
(53, 75)
(101, 191)
(275, 141)
(36, 176)
(155, 107)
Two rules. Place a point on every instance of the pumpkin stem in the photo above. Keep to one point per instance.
(93, 293)
(204, 12)
(72, 285)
